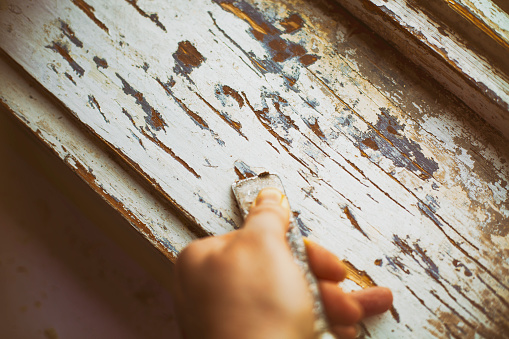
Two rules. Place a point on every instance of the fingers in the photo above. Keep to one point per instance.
(341, 308)
(326, 266)
(270, 213)
(323, 263)
(374, 300)
(269, 216)
(345, 309)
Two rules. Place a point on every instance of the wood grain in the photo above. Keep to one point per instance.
(156, 220)
(381, 164)
(427, 34)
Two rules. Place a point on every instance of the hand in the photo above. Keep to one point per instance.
(245, 284)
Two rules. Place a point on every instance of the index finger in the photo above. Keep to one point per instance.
(270, 213)
(324, 264)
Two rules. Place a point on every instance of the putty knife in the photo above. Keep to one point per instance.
(246, 191)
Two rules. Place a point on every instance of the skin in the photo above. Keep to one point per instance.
(245, 284)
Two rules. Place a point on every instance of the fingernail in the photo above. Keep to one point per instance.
(269, 195)
(307, 242)
(359, 332)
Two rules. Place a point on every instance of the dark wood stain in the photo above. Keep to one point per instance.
(100, 62)
(187, 57)
(479, 24)
(432, 268)
(308, 59)
(394, 313)
(153, 117)
(304, 230)
(237, 126)
(478, 327)
(387, 143)
(69, 33)
(293, 23)
(242, 170)
(364, 333)
(227, 90)
(316, 129)
(87, 176)
(502, 326)
(281, 119)
(153, 17)
(198, 120)
(429, 266)
(354, 222)
(391, 130)
(280, 49)
(290, 81)
(194, 117)
(499, 297)
(170, 152)
(217, 212)
(416, 297)
(262, 116)
(274, 147)
(459, 264)
(370, 143)
(378, 262)
(258, 66)
(278, 45)
(70, 78)
(85, 173)
(89, 11)
(64, 52)
(427, 212)
(93, 102)
(128, 115)
(359, 277)
(412, 156)
(308, 191)
(395, 263)
(161, 145)
(190, 222)
(166, 85)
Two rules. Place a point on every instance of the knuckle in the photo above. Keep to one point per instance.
(189, 256)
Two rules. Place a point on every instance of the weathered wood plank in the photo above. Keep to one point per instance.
(486, 16)
(432, 44)
(153, 218)
(374, 155)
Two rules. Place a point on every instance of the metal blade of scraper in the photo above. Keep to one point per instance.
(246, 191)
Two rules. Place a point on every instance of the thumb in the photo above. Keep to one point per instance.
(270, 213)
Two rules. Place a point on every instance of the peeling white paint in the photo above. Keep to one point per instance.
(384, 184)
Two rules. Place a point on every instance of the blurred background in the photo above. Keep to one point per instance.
(70, 266)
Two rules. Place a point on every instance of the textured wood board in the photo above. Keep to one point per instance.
(381, 165)
(486, 16)
(422, 32)
(154, 218)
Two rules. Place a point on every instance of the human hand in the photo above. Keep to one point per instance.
(245, 284)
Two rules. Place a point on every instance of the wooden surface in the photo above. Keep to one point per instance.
(463, 44)
(381, 164)
(85, 156)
